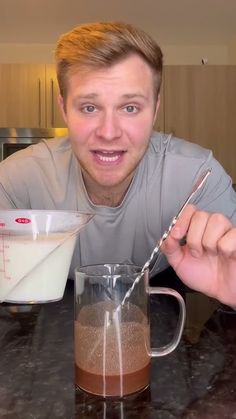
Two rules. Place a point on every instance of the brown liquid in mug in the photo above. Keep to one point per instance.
(111, 360)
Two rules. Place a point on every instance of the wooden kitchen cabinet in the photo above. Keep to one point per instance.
(53, 114)
(200, 103)
(160, 120)
(29, 96)
(22, 91)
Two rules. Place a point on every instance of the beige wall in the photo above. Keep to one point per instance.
(26, 53)
(186, 54)
(192, 55)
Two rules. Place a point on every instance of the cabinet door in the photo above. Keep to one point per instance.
(22, 91)
(200, 103)
(53, 114)
(159, 123)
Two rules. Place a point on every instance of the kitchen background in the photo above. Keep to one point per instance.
(198, 39)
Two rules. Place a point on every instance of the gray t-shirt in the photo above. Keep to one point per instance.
(47, 176)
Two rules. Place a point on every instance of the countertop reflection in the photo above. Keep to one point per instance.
(196, 381)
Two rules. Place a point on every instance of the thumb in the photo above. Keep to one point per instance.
(174, 250)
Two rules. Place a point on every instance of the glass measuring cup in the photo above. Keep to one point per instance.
(112, 346)
(36, 248)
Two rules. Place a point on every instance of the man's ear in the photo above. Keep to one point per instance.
(62, 107)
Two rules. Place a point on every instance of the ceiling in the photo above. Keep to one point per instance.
(171, 22)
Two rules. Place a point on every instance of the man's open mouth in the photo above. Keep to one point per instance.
(108, 156)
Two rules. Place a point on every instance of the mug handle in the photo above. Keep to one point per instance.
(166, 349)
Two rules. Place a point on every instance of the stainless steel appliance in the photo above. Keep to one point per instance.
(14, 139)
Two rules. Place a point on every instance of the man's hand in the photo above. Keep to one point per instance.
(207, 262)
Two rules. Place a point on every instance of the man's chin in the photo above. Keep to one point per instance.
(108, 185)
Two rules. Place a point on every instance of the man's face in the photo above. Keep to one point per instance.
(110, 114)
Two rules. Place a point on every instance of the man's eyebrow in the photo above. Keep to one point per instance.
(87, 96)
(134, 96)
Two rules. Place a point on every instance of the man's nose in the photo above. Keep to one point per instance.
(108, 126)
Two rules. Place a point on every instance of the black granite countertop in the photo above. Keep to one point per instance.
(198, 380)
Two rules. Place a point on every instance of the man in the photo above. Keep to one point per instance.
(112, 164)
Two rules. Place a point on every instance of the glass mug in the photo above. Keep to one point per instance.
(112, 329)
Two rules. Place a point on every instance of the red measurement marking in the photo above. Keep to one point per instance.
(5, 259)
(23, 220)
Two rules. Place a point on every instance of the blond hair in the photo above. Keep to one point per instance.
(102, 44)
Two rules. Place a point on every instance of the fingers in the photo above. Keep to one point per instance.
(205, 231)
(227, 244)
(216, 228)
(207, 260)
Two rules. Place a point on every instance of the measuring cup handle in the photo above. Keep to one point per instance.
(166, 349)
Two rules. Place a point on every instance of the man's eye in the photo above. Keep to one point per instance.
(89, 108)
(131, 109)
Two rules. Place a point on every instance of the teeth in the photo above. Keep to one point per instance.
(108, 156)
(108, 159)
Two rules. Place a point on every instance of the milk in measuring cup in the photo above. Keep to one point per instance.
(35, 270)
